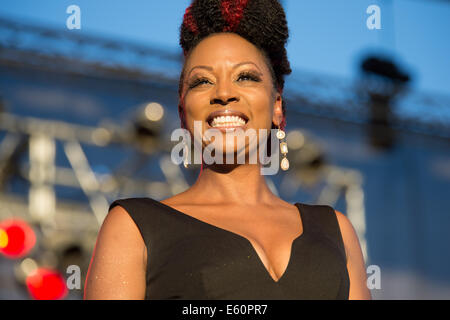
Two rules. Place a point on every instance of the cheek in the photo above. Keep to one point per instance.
(261, 105)
(194, 106)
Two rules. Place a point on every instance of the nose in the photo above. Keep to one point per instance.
(224, 94)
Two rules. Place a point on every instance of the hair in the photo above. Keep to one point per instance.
(261, 22)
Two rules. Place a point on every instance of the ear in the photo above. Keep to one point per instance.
(277, 110)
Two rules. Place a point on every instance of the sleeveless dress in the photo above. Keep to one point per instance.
(190, 259)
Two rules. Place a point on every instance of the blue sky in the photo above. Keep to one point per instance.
(327, 36)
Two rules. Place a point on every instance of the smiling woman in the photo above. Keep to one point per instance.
(228, 236)
(228, 85)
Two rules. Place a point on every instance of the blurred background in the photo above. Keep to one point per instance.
(86, 114)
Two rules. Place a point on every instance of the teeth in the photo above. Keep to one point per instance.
(228, 121)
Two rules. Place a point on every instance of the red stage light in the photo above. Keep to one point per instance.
(17, 238)
(46, 284)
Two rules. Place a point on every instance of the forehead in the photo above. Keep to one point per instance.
(225, 48)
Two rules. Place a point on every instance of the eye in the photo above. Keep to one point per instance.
(199, 81)
(249, 76)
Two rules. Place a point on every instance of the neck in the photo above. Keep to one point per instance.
(234, 184)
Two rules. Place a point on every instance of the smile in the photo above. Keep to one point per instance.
(227, 122)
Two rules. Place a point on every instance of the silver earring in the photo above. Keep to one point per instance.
(281, 135)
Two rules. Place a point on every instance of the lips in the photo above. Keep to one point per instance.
(224, 113)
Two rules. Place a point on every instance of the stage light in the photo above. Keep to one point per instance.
(154, 111)
(28, 266)
(46, 284)
(147, 125)
(3, 239)
(382, 83)
(295, 139)
(148, 120)
(101, 136)
(17, 238)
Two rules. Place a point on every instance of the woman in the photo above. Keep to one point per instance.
(228, 236)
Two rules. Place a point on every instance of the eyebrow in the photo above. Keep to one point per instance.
(234, 67)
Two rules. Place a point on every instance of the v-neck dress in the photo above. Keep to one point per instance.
(191, 259)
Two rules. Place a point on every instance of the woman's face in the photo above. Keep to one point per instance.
(226, 73)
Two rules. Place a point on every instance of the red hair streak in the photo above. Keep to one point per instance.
(189, 21)
(282, 125)
(233, 12)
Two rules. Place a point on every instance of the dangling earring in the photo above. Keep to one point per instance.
(185, 154)
(281, 135)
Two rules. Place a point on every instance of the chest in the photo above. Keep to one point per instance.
(268, 233)
(205, 264)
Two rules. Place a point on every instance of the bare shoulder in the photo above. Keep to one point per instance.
(119, 225)
(347, 231)
(186, 198)
(176, 199)
(355, 260)
(183, 198)
(349, 236)
(118, 263)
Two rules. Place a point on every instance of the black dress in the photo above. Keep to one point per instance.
(192, 259)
